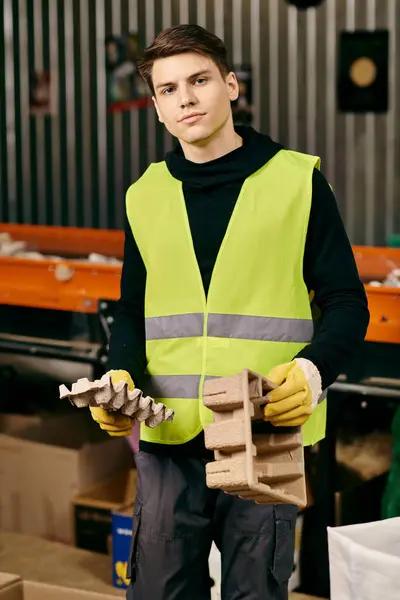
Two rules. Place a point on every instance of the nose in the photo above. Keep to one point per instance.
(187, 96)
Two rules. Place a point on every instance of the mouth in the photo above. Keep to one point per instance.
(192, 118)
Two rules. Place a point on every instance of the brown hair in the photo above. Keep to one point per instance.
(180, 39)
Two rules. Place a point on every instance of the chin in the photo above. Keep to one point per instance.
(197, 135)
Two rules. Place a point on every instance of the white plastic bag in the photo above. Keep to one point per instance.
(364, 561)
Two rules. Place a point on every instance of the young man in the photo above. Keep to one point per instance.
(226, 242)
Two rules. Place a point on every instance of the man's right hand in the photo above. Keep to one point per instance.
(114, 423)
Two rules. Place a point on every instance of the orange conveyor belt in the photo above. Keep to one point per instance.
(72, 285)
(66, 284)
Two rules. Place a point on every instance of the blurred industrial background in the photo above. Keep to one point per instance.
(77, 127)
(72, 167)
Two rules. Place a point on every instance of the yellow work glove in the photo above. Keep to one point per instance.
(114, 423)
(292, 403)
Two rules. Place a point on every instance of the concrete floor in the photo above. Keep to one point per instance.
(35, 559)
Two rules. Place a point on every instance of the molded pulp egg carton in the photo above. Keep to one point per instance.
(112, 397)
(267, 468)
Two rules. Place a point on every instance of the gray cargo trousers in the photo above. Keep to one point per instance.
(176, 518)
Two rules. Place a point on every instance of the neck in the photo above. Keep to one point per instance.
(222, 142)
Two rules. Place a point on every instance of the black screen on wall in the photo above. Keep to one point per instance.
(363, 65)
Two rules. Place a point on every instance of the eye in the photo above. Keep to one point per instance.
(201, 80)
(167, 91)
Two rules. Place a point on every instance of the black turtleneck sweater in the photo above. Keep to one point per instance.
(211, 190)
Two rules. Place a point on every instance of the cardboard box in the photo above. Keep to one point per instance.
(51, 563)
(94, 507)
(43, 467)
(10, 422)
(121, 544)
(13, 588)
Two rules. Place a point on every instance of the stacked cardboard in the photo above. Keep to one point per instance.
(54, 564)
(12, 587)
(44, 466)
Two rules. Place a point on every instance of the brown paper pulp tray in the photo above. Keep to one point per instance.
(268, 467)
(104, 393)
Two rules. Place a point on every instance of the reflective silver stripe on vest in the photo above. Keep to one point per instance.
(172, 386)
(182, 386)
(267, 329)
(174, 326)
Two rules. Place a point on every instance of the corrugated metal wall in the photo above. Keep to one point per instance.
(72, 168)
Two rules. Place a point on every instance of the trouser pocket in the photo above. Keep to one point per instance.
(134, 549)
(283, 557)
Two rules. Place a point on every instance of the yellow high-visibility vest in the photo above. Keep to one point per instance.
(257, 313)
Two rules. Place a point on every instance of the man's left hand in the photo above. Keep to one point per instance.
(293, 401)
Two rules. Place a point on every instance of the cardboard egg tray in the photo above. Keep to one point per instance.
(103, 393)
(268, 467)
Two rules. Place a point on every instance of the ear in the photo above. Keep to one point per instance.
(233, 86)
(157, 109)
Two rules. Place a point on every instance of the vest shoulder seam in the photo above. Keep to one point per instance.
(151, 170)
(302, 159)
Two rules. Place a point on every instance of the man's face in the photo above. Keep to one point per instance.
(192, 98)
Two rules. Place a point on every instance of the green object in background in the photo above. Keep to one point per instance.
(393, 240)
(391, 496)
